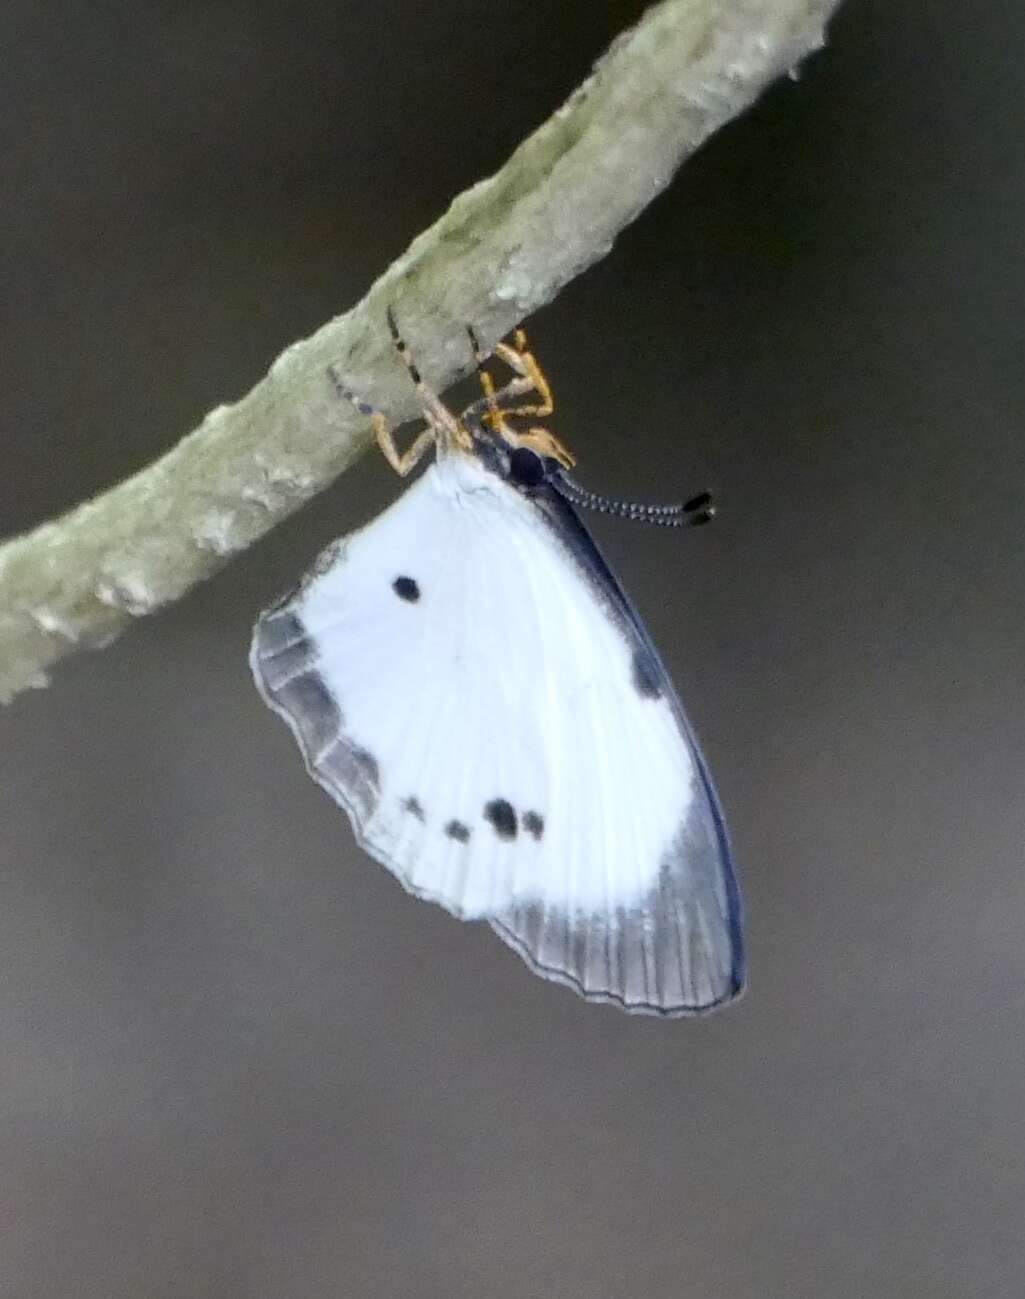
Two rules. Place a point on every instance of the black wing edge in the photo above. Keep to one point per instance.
(566, 524)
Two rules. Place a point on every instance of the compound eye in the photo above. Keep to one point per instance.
(526, 468)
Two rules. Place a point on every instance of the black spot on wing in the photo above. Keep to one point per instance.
(406, 588)
(412, 806)
(534, 824)
(649, 677)
(501, 815)
(646, 676)
(456, 830)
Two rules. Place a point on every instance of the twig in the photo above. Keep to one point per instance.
(503, 249)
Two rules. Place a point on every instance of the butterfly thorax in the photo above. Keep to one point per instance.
(523, 461)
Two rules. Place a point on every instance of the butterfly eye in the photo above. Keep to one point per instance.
(526, 468)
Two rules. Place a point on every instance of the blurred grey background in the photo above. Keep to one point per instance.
(235, 1059)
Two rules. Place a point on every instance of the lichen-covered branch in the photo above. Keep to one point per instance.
(503, 249)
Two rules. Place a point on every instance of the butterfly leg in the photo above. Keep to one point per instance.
(411, 457)
(486, 381)
(497, 405)
(522, 362)
(435, 411)
(402, 463)
(493, 401)
(546, 444)
(529, 378)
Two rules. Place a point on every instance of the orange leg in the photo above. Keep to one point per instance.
(411, 457)
(547, 444)
(529, 378)
(435, 409)
(524, 363)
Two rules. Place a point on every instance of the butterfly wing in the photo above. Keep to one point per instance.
(466, 678)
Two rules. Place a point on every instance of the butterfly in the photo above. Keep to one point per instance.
(466, 678)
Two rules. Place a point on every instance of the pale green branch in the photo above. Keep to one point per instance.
(503, 249)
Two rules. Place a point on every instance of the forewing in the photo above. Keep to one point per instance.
(465, 677)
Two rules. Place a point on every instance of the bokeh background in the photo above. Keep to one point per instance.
(235, 1058)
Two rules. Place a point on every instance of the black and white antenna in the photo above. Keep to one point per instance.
(691, 514)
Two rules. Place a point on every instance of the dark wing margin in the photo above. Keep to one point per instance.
(284, 664)
(681, 950)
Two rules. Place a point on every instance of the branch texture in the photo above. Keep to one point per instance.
(504, 248)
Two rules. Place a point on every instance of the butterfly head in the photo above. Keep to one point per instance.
(528, 456)
(524, 459)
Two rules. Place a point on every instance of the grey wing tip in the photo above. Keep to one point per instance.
(657, 1002)
(286, 669)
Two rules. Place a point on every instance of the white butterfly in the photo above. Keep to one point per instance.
(466, 678)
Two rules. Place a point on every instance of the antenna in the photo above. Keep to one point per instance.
(691, 514)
